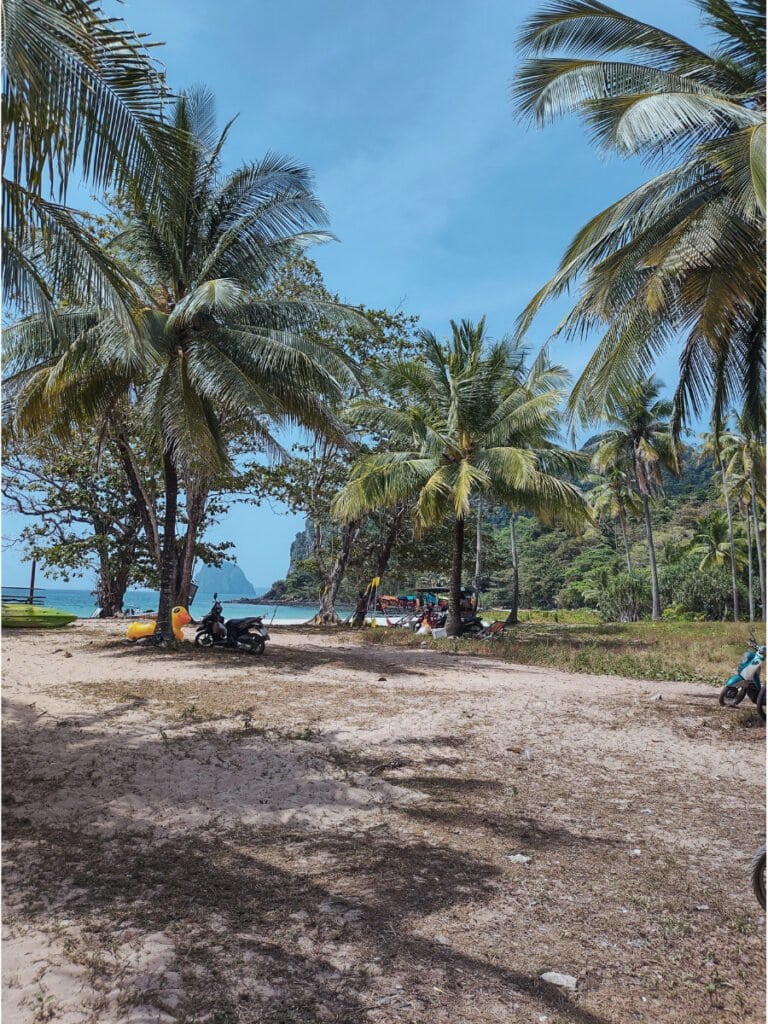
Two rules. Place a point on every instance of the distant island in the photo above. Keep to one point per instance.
(224, 579)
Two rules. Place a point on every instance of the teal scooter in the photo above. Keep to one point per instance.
(746, 681)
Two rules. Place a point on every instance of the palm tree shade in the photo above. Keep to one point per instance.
(683, 255)
(640, 443)
(213, 356)
(464, 421)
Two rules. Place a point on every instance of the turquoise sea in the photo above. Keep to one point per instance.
(83, 604)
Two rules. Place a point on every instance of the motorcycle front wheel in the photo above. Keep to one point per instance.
(257, 647)
(732, 696)
(758, 876)
(761, 703)
(204, 640)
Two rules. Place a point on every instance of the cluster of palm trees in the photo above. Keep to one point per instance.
(631, 454)
(629, 460)
(729, 539)
(466, 420)
(174, 323)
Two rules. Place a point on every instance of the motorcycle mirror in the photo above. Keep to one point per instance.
(215, 596)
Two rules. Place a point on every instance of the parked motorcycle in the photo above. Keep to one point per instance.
(471, 626)
(746, 681)
(249, 634)
(758, 876)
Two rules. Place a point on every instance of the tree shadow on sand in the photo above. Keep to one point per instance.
(288, 941)
(264, 923)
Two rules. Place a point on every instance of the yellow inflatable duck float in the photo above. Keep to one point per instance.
(179, 617)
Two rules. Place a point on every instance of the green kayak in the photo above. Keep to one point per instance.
(32, 616)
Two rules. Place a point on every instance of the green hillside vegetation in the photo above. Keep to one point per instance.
(559, 573)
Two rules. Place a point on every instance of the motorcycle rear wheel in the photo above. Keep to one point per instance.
(732, 696)
(204, 640)
(758, 876)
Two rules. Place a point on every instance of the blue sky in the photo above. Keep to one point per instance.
(444, 205)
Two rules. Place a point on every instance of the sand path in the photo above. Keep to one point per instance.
(326, 834)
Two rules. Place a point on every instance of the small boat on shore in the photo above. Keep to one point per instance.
(33, 616)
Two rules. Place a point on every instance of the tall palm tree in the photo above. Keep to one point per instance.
(640, 441)
(612, 496)
(215, 357)
(712, 540)
(741, 490)
(713, 446)
(684, 252)
(744, 458)
(80, 94)
(465, 420)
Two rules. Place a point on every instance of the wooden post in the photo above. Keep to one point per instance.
(31, 598)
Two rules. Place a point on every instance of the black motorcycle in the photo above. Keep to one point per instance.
(471, 626)
(248, 634)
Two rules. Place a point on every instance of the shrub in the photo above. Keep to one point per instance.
(692, 590)
(626, 597)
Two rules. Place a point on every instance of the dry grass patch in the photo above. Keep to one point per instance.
(698, 651)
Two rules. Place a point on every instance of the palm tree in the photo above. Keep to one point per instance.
(612, 496)
(744, 458)
(713, 446)
(712, 540)
(214, 356)
(81, 94)
(684, 252)
(640, 441)
(464, 420)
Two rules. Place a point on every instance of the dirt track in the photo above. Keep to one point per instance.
(325, 834)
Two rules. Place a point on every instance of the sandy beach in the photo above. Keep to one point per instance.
(345, 832)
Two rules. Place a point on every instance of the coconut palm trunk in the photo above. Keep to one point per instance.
(196, 499)
(655, 599)
(478, 551)
(759, 546)
(512, 618)
(168, 551)
(623, 524)
(731, 542)
(750, 571)
(453, 625)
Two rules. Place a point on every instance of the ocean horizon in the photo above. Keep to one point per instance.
(82, 603)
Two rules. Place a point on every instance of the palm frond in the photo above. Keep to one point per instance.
(587, 26)
(80, 92)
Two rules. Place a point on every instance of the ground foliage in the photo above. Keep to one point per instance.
(557, 570)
